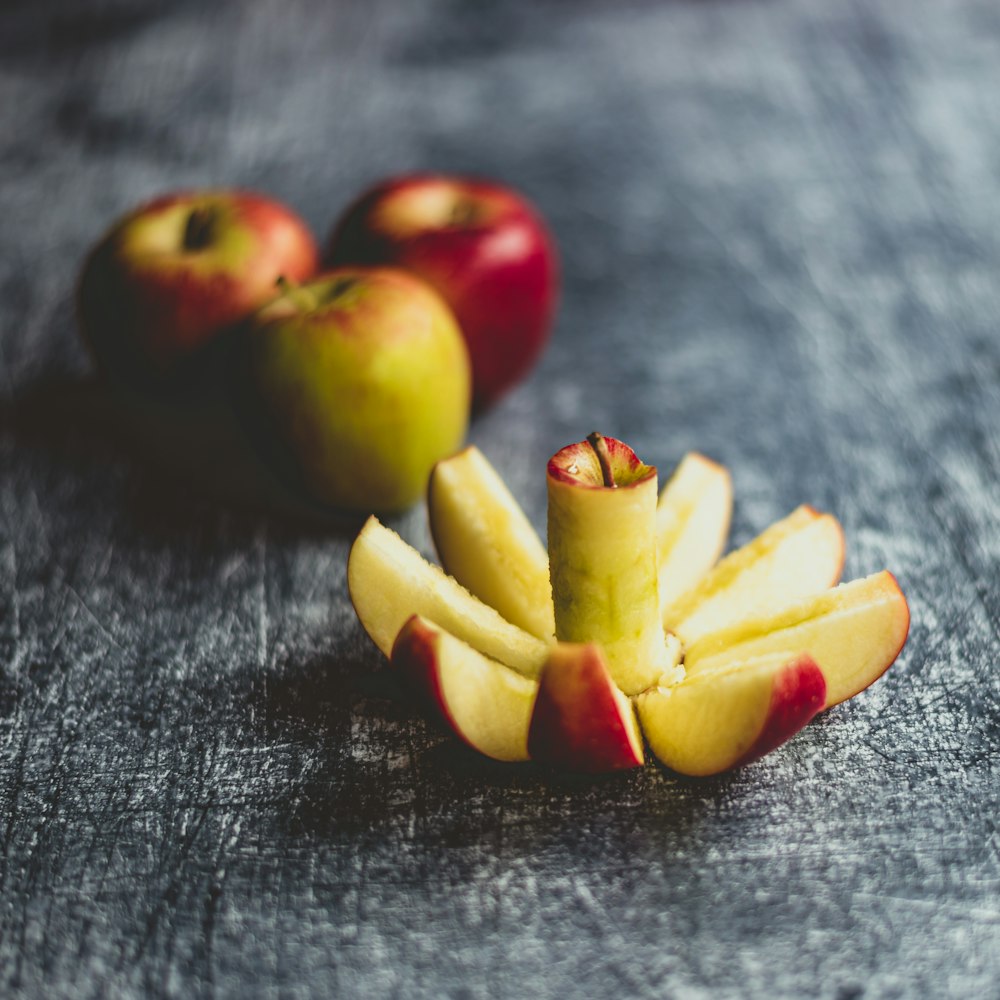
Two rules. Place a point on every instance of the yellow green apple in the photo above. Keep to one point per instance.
(366, 377)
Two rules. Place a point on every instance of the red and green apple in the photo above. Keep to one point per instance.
(173, 274)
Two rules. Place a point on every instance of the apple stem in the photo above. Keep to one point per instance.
(600, 446)
(198, 229)
(302, 297)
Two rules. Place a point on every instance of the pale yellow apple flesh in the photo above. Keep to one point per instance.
(389, 581)
(711, 723)
(692, 524)
(602, 560)
(765, 644)
(485, 541)
(854, 632)
(796, 557)
(581, 721)
(486, 704)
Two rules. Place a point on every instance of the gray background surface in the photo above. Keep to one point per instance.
(780, 224)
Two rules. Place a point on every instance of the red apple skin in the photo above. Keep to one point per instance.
(576, 724)
(482, 246)
(414, 654)
(577, 465)
(153, 291)
(798, 695)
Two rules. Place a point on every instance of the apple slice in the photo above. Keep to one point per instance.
(714, 722)
(581, 721)
(389, 581)
(485, 703)
(485, 541)
(602, 557)
(854, 632)
(692, 524)
(801, 555)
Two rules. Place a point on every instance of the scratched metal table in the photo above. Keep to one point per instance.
(779, 223)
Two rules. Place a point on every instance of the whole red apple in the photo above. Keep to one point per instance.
(485, 250)
(170, 276)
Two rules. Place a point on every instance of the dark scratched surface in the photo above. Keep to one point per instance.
(780, 225)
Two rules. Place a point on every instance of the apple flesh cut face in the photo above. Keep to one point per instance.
(485, 703)
(801, 555)
(718, 721)
(581, 720)
(389, 581)
(485, 541)
(366, 377)
(854, 632)
(692, 524)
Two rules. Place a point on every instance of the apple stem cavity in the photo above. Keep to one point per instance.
(464, 213)
(199, 229)
(600, 446)
(292, 290)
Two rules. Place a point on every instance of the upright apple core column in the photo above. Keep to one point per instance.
(602, 559)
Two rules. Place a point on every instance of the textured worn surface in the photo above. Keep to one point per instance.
(780, 229)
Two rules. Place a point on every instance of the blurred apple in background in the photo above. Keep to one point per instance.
(482, 246)
(366, 377)
(173, 274)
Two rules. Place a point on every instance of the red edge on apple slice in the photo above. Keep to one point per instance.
(798, 695)
(576, 724)
(415, 656)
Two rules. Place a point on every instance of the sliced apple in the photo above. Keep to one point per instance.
(485, 703)
(581, 721)
(801, 555)
(602, 557)
(712, 723)
(485, 541)
(389, 581)
(854, 632)
(692, 524)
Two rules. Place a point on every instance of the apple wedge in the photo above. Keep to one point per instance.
(854, 632)
(692, 524)
(714, 722)
(485, 541)
(581, 721)
(389, 581)
(483, 702)
(801, 555)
